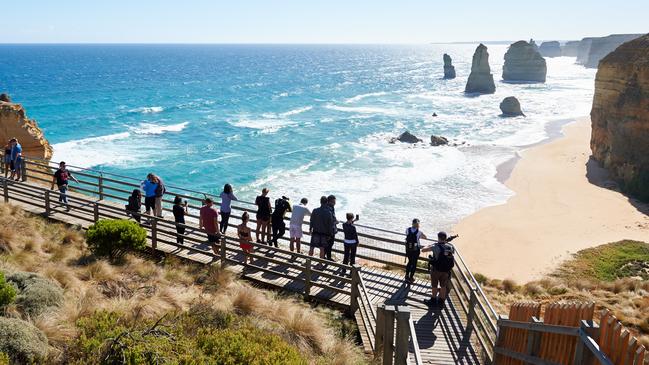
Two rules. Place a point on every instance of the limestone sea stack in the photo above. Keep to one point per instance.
(550, 49)
(620, 116)
(511, 107)
(570, 49)
(449, 69)
(524, 63)
(14, 123)
(480, 80)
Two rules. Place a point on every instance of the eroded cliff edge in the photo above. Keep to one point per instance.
(14, 123)
(620, 116)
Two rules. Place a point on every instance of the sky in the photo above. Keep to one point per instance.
(315, 21)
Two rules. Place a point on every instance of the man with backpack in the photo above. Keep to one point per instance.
(61, 178)
(440, 263)
(413, 249)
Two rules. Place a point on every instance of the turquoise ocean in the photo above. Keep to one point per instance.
(303, 120)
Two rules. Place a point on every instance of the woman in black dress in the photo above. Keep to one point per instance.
(180, 210)
(264, 211)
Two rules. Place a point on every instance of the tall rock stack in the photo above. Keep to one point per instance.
(449, 69)
(620, 116)
(524, 63)
(14, 123)
(480, 80)
(550, 49)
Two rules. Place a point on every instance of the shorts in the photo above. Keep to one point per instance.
(246, 246)
(17, 163)
(295, 231)
(439, 277)
(263, 218)
(319, 240)
(212, 238)
(149, 203)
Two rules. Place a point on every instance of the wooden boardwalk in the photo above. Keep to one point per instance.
(442, 335)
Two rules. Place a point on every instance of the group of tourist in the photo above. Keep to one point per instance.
(13, 156)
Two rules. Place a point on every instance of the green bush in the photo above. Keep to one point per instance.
(23, 342)
(114, 237)
(35, 293)
(4, 359)
(7, 292)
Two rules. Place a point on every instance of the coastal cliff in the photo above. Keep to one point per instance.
(591, 50)
(620, 116)
(570, 49)
(550, 49)
(523, 62)
(14, 123)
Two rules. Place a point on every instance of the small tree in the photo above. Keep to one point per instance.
(113, 237)
(7, 292)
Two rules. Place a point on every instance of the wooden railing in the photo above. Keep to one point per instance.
(378, 247)
(393, 347)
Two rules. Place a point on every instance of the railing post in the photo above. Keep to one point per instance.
(96, 211)
(388, 336)
(23, 170)
(380, 330)
(582, 354)
(307, 278)
(154, 234)
(473, 299)
(5, 189)
(100, 186)
(533, 340)
(222, 251)
(403, 336)
(355, 290)
(47, 203)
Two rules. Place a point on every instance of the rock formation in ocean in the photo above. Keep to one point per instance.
(600, 47)
(533, 43)
(14, 123)
(570, 49)
(449, 69)
(524, 63)
(583, 50)
(550, 49)
(511, 107)
(438, 140)
(480, 80)
(620, 116)
(406, 137)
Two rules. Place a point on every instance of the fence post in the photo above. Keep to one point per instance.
(403, 336)
(223, 252)
(533, 339)
(100, 184)
(580, 349)
(47, 203)
(473, 299)
(380, 330)
(5, 189)
(388, 336)
(355, 290)
(23, 170)
(307, 278)
(96, 211)
(154, 234)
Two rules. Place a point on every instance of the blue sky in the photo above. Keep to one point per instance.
(330, 21)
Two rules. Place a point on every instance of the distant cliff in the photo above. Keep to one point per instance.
(620, 116)
(570, 49)
(592, 50)
(14, 123)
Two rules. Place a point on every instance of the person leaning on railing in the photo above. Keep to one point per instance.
(440, 264)
(209, 221)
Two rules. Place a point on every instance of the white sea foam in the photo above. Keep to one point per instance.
(147, 110)
(151, 128)
(266, 125)
(104, 150)
(362, 109)
(363, 96)
(296, 111)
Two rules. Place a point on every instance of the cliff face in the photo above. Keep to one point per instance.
(550, 49)
(480, 80)
(570, 49)
(524, 63)
(620, 116)
(592, 50)
(14, 123)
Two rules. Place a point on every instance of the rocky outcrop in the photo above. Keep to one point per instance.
(583, 50)
(524, 63)
(14, 123)
(480, 80)
(438, 140)
(550, 49)
(406, 137)
(570, 49)
(511, 107)
(620, 116)
(600, 47)
(449, 69)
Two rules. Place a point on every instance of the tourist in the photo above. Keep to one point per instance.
(134, 205)
(263, 216)
(440, 264)
(331, 203)
(209, 221)
(149, 187)
(6, 159)
(180, 210)
(61, 178)
(320, 228)
(245, 238)
(159, 193)
(351, 240)
(16, 159)
(227, 196)
(413, 249)
(282, 206)
(295, 225)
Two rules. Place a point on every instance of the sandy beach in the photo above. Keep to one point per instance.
(561, 205)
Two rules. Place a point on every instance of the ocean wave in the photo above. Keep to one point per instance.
(362, 109)
(151, 128)
(296, 111)
(94, 151)
(363, 96)
(266, 125)
(147, 110)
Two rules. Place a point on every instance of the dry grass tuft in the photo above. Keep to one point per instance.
(7, 237)
(97, 271)
(217, 277)
(509, 286)
(247, 300)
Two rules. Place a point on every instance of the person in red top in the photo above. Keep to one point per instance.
(209, 221)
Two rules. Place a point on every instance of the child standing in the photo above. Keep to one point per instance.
(245, 237)
(351, 240)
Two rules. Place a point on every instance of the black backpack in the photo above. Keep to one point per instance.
(445, 261)
(411, 240)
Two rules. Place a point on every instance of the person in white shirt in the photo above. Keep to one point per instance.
(295, 226)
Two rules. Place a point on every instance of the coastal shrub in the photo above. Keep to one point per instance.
(481, 279)
(114, 237)
(509, 286)
(24, 343)
(609, 262)
(35, 293)
(4, 358)
(7, 292)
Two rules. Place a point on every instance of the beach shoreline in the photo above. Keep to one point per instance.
(561, 205)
